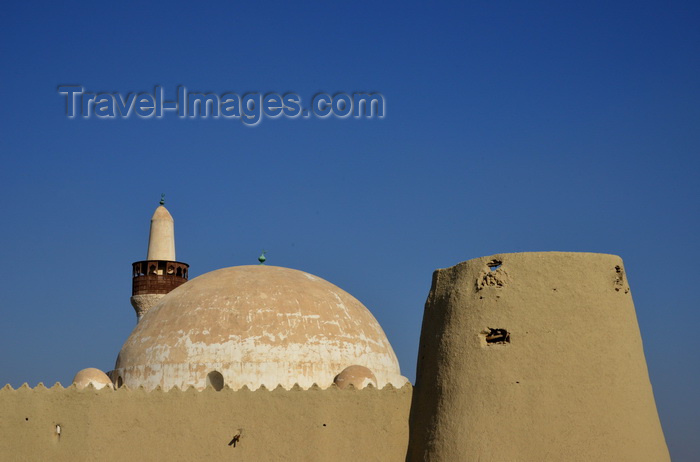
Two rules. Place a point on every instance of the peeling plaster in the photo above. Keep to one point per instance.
(256, 325)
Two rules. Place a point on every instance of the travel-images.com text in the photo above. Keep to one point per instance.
(250, 108)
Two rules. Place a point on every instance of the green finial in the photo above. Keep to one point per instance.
(162, 199)
(262, 258)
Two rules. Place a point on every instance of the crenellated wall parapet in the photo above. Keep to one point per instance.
(316, 424)
(58, 387)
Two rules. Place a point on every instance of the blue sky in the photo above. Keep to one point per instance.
(510, 126)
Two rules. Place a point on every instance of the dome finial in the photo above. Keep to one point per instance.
(262, 258)
(162, 199)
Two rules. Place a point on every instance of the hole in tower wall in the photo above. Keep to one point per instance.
(619, 283)
(120, 382)
(494, 264)
(496, 336)
(215, 380)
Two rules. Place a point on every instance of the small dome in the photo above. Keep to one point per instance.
(255, 325)
(93, 376)
(357, 376)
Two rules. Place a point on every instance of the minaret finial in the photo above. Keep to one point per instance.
(262, 258)
(162, 199)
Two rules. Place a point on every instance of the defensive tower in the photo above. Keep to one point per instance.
(533, 357)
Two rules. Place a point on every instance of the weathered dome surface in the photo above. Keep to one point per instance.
(93, 376)
(255, 325)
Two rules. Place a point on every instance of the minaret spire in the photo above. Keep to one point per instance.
(161, 242)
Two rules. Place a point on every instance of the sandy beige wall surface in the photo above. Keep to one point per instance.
(135, 425)
(533, 357)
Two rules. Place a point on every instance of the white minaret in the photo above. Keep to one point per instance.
(161, 241)
(160, 273)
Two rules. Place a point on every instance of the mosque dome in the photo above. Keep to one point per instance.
(357, 376)
(93, 376)
(255, 325)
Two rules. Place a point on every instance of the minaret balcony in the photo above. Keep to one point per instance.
(158, 276)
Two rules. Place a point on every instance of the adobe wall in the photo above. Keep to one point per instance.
(538, 359)
(277, 425)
